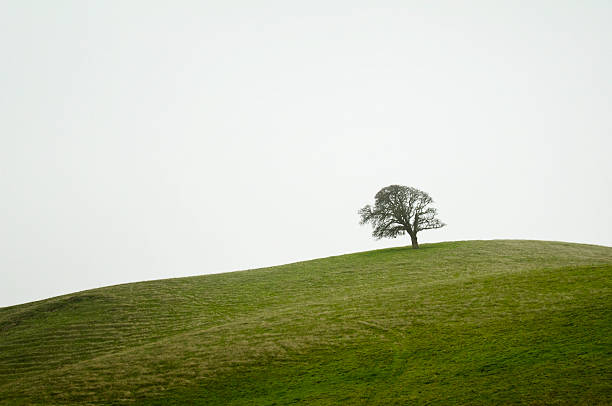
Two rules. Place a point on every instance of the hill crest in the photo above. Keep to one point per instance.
(366, 327)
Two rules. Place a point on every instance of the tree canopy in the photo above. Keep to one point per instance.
(400, 210)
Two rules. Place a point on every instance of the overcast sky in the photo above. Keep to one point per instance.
(152, 139)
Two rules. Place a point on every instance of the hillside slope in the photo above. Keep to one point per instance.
(477, 322)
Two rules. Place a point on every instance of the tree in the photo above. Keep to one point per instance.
(400, 210)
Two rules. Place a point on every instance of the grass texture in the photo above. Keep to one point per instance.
(473, 322)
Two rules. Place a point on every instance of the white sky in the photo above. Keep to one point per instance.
(152, 139)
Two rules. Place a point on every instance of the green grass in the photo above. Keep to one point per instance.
(474, 322)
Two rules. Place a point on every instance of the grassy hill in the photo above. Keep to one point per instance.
(474, 322)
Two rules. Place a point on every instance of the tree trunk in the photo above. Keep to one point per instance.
(415, 243)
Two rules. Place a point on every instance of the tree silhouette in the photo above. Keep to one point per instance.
(400, 210)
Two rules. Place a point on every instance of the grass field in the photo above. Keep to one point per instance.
(474, 322)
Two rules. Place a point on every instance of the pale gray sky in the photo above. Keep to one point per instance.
(152, 139)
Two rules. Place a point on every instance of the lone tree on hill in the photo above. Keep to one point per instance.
(400, 210)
